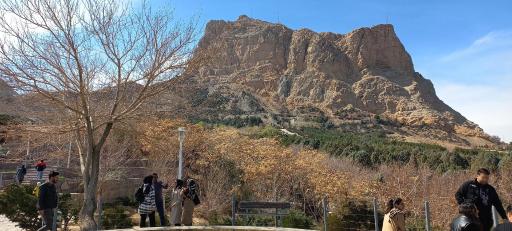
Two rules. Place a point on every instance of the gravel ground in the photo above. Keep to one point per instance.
(7, 225)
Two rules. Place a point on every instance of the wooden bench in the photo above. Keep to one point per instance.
(260, 208)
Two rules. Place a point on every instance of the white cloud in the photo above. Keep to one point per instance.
(489, 43)
(488, 106)
(477, 81)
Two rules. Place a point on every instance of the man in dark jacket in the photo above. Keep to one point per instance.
(20, 173)
(507, 226)
(159, 200)
(47, 202)
(483, 195)
(467, 220)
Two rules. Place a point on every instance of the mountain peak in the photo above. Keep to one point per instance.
(266, 68)
(243, 17)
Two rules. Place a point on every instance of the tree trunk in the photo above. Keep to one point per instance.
(90, 178)
(87, 221)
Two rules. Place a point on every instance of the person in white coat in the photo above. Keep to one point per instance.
(177, 203)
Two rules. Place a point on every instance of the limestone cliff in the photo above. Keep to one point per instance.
(261, 68)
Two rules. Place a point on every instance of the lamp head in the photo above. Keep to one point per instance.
(181, 132)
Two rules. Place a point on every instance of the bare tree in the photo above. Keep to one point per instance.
(97, 61)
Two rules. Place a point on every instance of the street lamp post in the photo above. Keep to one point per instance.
(181, 137)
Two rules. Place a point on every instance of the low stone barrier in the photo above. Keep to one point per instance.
(213, 228)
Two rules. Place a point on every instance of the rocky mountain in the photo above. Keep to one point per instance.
(300, 77)
(6, 91)
(7, 97)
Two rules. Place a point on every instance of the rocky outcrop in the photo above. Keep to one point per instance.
(258, 67)
(6, 91)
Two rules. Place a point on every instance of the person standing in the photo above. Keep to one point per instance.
(483, 196)
(176, 203)
(394, 219)
(147, 207)
(47, 201)
(40, 167)
(20, 173)
(507, 226)
(159, 200)
(467, 220)
(191, 199)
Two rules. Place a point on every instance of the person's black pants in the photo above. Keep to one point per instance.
(486, 225)
(486, 220)
(161, 213)
(151, 219)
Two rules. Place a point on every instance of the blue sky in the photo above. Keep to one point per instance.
(463, 46)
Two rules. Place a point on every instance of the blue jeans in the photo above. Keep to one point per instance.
(40, 175)
(48, 220)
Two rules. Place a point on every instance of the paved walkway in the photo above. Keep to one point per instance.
(7, 225)
(213, 228)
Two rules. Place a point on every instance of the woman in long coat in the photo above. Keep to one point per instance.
(148, 207)
(394, 219)
(176, 203)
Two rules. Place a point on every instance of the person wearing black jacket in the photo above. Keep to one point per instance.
(20, 173)
(507, 226)
(483, 195)
(47, 201)
(467, 220)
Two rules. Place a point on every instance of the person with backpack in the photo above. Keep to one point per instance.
(20, 173)
(176, 203)
(191, 199)
(159, 200)
(47, 201)
(394, 219)
(467, 220)
(40, 167)
(145, 195)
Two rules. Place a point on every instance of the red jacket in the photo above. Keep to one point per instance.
(40, 166)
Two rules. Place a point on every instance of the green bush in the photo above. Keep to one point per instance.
(19, 205)
(351, 215)
(69, 209)
(374, 148)
(256, 221)
(297, 219)
(116, 217)
(268, 132)
(217, 219)
(237, 121)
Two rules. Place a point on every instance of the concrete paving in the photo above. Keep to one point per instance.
(213, 228)
(7, 225)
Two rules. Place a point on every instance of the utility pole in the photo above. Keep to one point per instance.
(28, 151)
(69, 154)
(181, 137)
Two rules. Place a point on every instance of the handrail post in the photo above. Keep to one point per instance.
(427, 216)
(324, 205)
(375, 214)
(233, 210)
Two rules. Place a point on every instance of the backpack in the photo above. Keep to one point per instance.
(36, 191)
(139, 195)
(193, 189)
